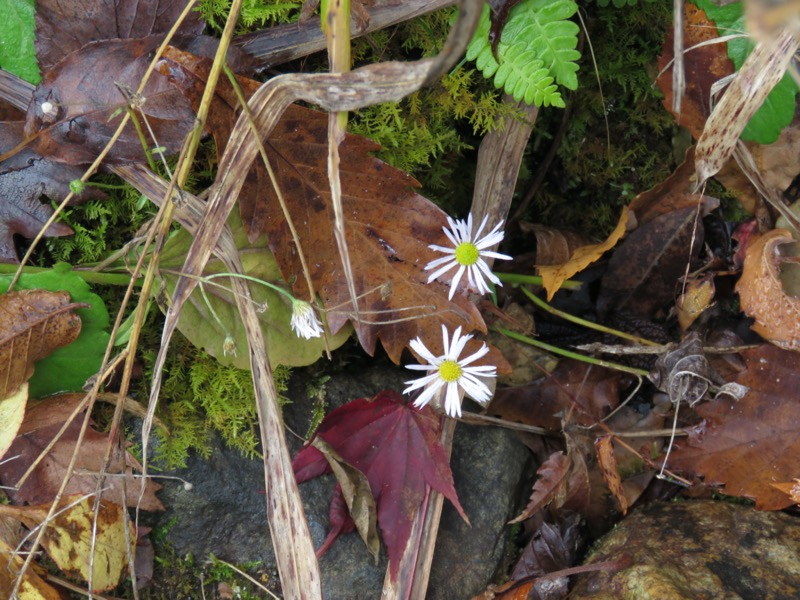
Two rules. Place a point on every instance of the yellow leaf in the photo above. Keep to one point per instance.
(555, 275)
(32, 586)
(68, 541)
(12, 411)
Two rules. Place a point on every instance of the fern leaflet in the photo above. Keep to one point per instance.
(536, 51)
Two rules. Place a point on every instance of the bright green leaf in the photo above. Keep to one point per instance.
(17, 53)
(68, 368)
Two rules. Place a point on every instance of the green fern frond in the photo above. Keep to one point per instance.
(536, 51)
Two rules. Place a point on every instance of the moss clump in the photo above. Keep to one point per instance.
(600, 168)
(200, 396)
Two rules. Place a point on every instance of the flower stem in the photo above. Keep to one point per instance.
(589, 324)
(534, 280)
(581, 357)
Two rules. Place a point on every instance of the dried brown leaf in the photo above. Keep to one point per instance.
(746, 446)
(33, 323)
(762, 294)
(550, 485)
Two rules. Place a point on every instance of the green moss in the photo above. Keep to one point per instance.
(255, 14)
(199, 396)
(599, 169)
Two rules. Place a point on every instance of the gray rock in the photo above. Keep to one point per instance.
(225, 512)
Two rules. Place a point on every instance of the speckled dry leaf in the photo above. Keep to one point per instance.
(12, 410)
(554, 275)
(608, 467)
(33, 323)
(68, 539)
(32, 587)
(762, 295)
(762, 70)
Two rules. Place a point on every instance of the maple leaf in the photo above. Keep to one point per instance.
(397, 447)
(388, 226)
(748, 445)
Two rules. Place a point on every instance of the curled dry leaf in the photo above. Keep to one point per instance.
(608, 466)
(68, 539)
(693, 302)
(33, 323)
(762, 294)
(554, 275)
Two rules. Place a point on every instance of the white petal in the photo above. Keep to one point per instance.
(452, 402)
(440, 261)
(420, 348)
(454, 283)
(415, 384)
(442, 249)
(483, 351)
(458, 346)
(422, 368)
(480, 229)
(488, 242)
(487, 254)
(481, 370)
(443, 270)
(488, 272)
(480, 284)
(428, 394)
(475, 389)
(446, 340)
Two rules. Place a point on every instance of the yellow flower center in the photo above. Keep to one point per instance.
(450, 371)
(467, 254)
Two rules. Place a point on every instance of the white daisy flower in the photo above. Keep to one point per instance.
(448, 371)
(468, 255)
(304, 321)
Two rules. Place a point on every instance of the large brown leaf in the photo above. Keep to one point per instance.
(72, 112)
(642, 276)
(748, 445)
(42, 422)
(33, 323)
(63, 27)
(389, 226)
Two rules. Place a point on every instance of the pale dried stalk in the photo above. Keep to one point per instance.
(366, 86)
(761, 71)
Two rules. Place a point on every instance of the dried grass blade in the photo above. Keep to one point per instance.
(762, 70)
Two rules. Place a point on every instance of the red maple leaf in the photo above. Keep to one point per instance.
(398, 448)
